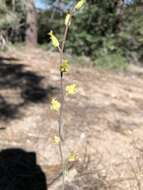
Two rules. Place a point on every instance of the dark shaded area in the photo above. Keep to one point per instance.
(7, 110)
(26, 84)
(19, 171)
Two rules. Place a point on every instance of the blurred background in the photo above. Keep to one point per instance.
(103, 123)
(109, 32)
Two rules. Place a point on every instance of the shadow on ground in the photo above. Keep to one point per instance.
(20, 86)
(19, 171)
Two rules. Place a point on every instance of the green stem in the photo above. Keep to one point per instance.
(61, 130)
(62, 165)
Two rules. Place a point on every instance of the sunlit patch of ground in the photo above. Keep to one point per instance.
(103, 121)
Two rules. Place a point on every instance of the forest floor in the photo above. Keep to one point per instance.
(103, 122)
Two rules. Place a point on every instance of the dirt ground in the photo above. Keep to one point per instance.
(103, 122)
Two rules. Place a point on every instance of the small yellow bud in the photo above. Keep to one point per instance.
(71, 89)
(79, 4)
(72, 157)
(64, 67)
(55, 105)
(56, 139)
(68, 19)
(54, 39)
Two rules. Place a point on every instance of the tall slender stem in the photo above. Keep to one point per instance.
(61, 51)
(61, 131)
(65, 37)
(62, 165)
(61, 127)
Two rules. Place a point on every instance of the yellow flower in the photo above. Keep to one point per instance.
(71, 89)
(72, 157)
(64, 67)
(55, 105)
(68, 19)
(80, 4)
(56, 139)
(54, 39)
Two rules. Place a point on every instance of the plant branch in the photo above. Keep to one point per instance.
(62, 99)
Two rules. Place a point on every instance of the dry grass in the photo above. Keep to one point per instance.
(107, 110)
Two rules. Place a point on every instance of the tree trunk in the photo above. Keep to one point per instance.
(119, 15)
(13, 5)
(31, 24)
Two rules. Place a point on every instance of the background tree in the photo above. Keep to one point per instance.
(31, 24)
(12, 21)
(110, 31)
(119, 15)
(7, 17)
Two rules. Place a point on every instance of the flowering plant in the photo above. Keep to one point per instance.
(71, 89)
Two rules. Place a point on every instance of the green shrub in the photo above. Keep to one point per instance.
(131, 38)
(97, 38)
(113, 61)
